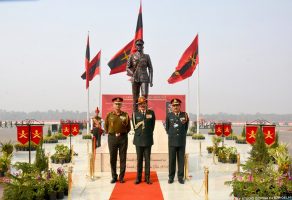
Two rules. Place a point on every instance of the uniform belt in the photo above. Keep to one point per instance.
(114, 134)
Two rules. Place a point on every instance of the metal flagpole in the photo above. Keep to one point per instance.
(87, 111)
(87, 78)
(198, 101)
(188, 98)
(100, 87)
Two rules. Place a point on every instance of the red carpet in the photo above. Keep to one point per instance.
(129, 190)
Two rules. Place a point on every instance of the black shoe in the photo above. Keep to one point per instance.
(181, 181)
(138, 181)
(114, 180)
(148, 181)
(122, 180)
(170, 181)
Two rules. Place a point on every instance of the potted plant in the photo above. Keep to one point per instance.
(62, 154)
(222, 157)
(61, 183)
(5, 162)
(7, 147)
(232, 158)
(211, 132)
(210, 149)
(51, 185)
(282, 158)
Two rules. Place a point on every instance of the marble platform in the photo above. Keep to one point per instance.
(159, 153)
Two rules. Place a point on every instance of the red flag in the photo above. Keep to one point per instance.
(139, 29)
(250, 133)
(94, 67)
(218, 129)
(22, 134)
(187, 63)
(87, 60)
(270, 134)
(66, 129)
(118, 63)
(227, 129)
(36, 133)
(75, 129)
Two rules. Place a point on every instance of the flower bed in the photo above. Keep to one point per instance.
(87, 137)
(29, 183)
(50, 139)
(198, 137)
(60, 136)
(231, 137)
(25, 147)
(240, 140)
(265, 173)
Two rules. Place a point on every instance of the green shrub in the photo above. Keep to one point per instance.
(198, 137)
(231, 137)
(7, 147)
(41, 160)
(25, 147)
(87, 137)
(240, 140)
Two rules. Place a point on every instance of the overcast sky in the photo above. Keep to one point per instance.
(245, 50)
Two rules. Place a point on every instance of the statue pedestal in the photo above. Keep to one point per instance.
(159, 153)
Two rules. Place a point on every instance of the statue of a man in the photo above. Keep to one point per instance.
(137, 66)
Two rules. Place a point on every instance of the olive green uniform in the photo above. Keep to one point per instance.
(113, 125)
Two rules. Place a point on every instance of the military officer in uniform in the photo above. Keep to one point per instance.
(97, 128)
(176, 126)
(117, 125)
(143, 122)
(137, 66)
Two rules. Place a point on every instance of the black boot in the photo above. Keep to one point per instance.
(148, 181)
(114, 180)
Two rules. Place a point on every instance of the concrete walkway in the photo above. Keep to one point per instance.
(86, 189)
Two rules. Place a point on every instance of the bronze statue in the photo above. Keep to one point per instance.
(137, 66)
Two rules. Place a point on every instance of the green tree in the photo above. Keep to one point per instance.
(41, 160)
(259, 156)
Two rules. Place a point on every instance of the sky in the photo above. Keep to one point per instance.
(245, 50)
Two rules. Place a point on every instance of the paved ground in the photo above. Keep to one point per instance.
(86, 189)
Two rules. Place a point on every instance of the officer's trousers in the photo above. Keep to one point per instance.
(143, 152)
(97, 137)
(179, 153)
(116, 144)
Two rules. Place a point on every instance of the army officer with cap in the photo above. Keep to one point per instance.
(143, 123)
(117, 125)
(176, 126)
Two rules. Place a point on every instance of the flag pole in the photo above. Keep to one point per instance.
(100, 87)
(188, 97)
(198, 101)
(88, 110)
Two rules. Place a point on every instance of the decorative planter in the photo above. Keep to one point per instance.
(52, 196)
(60, 195)
(2, 174)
